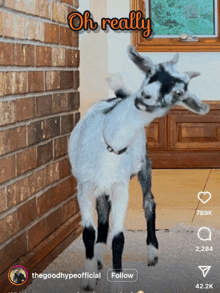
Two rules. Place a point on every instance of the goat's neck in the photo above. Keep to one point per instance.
(123, 122)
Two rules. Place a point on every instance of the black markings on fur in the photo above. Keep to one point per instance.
(151, 236)
(120, 96)
(144, 177)
(103, 207)
(120, 93)
(108, 110)
(117, 249)
(89, 240)
(167, 81)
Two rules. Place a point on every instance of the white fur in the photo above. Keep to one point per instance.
(152, 253)
(99, 250)
(90, 266)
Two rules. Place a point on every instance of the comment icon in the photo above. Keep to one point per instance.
(204, 234)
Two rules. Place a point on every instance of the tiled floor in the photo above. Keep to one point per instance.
(175, 193)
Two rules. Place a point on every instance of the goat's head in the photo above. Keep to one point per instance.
(164, 87)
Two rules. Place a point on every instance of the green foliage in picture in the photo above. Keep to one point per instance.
(175, 17)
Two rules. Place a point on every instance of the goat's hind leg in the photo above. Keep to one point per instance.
(149, 205)
(103, 207)
(85, 199)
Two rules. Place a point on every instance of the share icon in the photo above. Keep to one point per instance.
(205, 270)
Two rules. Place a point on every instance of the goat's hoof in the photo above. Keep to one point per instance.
(153, 262)
(99, 265)
(87, 288)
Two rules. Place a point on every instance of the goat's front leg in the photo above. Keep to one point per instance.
(85, 199)
(149, 205)
(119, 207)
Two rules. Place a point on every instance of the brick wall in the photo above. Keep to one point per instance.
(39, 102)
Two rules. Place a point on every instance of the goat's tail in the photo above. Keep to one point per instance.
(117, 85)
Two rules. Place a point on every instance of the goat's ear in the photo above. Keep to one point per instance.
(192, 74)
(192, 103)
(145, 64)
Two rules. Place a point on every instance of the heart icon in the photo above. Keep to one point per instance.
(204, 193)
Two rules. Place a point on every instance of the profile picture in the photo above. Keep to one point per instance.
(18, 275)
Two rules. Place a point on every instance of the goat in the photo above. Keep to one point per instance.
(108, 146)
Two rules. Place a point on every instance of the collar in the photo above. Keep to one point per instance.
(111, 150)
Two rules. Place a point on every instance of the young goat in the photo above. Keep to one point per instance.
(108, 146)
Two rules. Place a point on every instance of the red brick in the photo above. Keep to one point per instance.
(66, 79)
(52, 127)
(18, 192)
(42, 8)
(45, 202)
(7, 168)
(43, 56)
(43, 105)
(67, 123)
(75, 39)
(7, 113)
(37, 233)
(59, 103)
(24, 109)
(77, 117)
(37, 181)
(52, 173)
(25, 6)
(43, 129)
(11, 252)
(1, 84)
(63, 190)
(59, 12)
(14, 26)
(76, 3)
(69, 209)
(26, 160)
(3, 200)
(64, 168)
(76, 80)
(12, 139)
(68, 187)
(73, 101)
(24, 55)
(44, 153)
(15, 82)
(9, 226)
(66, 36)
(58, 57)
(52, 80)
(1, 21)
(36, 132)
(9, 3)
(35, 81)
(51, 33)
(34, 30)
(60, 146)
(6, 54)
(67, 1)
(53, 221)
(27, 213)
(72, 58)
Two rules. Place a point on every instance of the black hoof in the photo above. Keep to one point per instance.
(87, 288)
(154, 262)
(100, 265)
